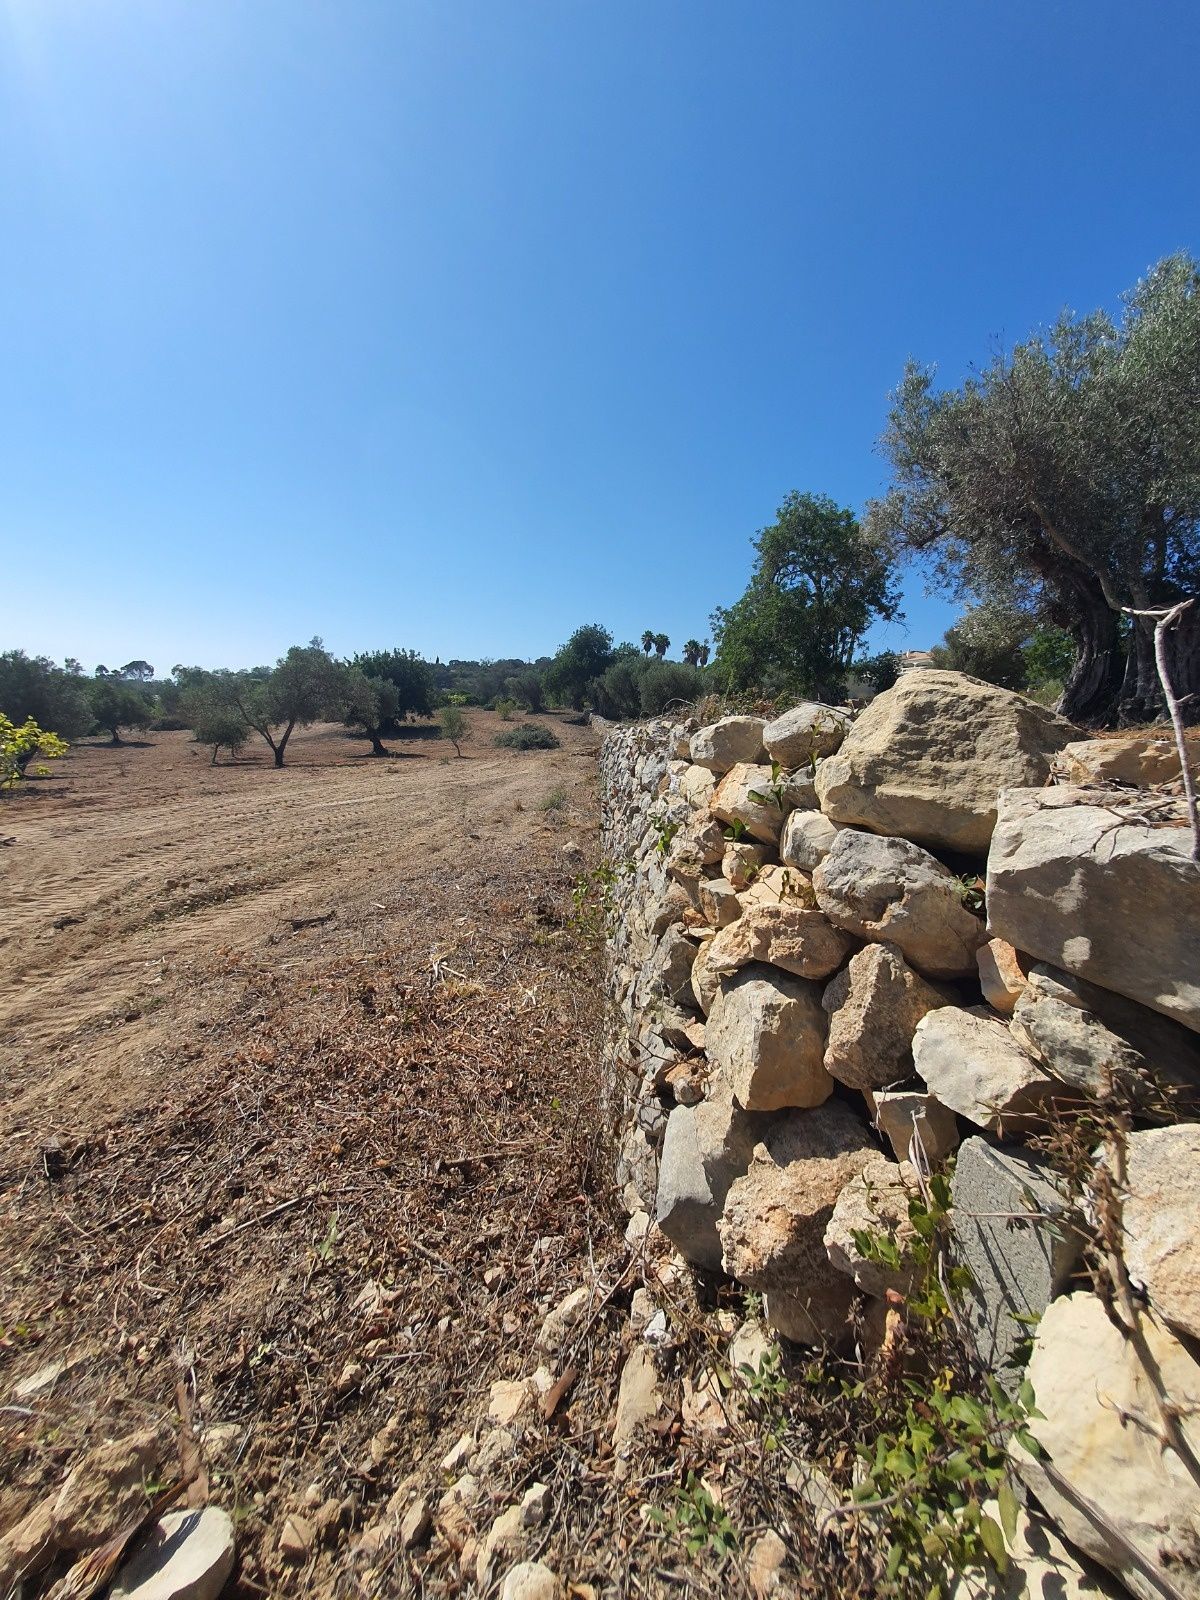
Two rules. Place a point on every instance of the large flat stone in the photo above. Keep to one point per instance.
(1122, 1496)
(1018, 1236)
(187, 1555)
(1076, 878)
(927, 759)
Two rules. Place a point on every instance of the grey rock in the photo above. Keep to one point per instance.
(724, 744)
(1018, 1236)
(705, 1148)
(888, 890)
(1077, 879)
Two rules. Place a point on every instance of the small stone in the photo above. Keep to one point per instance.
(806, 839)
(493, 1277)
(749, 1347)
(529, 1580)
(742, 863)
(726, 743)
(187, 1555)
(719, 902)
(639, 1397)
(564, 1319)
(804, 734)
(875, 1203)
(296, 1538)
(460, 1454)
(905, 1115)
(1002, 974)
(642, 1307)
(766, 1565)
(415, 1524)
(507, 1401)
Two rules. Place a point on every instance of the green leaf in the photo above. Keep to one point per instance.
(992, 1535)
(1008, 1510)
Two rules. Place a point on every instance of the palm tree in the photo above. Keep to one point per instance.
(661, 644)
(704, 654)
(691, 652)
(647, 641)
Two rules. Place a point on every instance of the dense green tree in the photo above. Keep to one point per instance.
(1064, 479)
(526, 688)
(116, 705)
(878, 672)
(141, 670)
(818, 583)
(306, 684)
(383, 689)
(584, 657)
(56, 698)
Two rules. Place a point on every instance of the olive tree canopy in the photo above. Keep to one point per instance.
(1064, 479)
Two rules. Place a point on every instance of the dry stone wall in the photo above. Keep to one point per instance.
(813, 1006)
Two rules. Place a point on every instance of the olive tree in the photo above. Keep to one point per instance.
(305, 685)
(1064, 480)
(385, 687)
(115, 706)
(818, 583)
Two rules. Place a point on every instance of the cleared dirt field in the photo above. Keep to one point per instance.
(254, 1167)
(133, 865)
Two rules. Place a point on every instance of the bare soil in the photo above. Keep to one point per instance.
(291, 1059)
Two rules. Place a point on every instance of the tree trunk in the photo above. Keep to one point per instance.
(279, 755)
(1091, 689)
(1142, 698)
(377, 745)
(116, 737)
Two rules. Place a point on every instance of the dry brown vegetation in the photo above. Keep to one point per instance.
(279, 1160)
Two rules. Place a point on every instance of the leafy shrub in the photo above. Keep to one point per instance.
(528, 736)
(668, 683)
(19, 744)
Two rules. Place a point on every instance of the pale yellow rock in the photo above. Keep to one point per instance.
(766, 1035)
(1100, 1430)
(927, 760)
(1002, 974)
(793, 937)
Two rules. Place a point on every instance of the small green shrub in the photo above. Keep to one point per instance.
(528, 736)
(555, 801)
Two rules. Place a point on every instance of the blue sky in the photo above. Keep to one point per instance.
(454, 324)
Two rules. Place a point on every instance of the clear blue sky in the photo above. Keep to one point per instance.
(456, 323)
